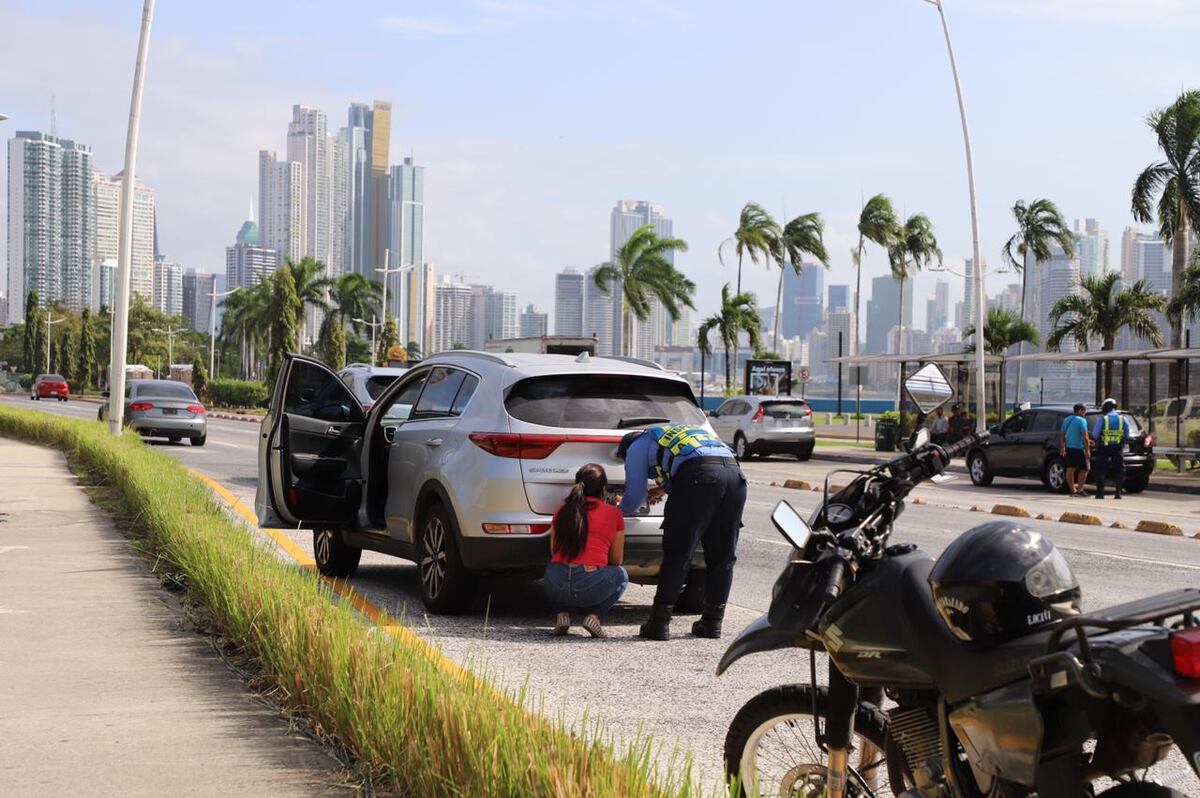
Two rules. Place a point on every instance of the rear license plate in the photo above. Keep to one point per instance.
(169, 411)
(1125, 449)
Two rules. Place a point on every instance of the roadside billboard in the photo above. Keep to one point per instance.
(768, 377)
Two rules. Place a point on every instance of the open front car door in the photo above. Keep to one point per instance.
(309, 469)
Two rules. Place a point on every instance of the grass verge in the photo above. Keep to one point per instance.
(414, 725)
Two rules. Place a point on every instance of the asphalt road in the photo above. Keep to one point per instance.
(668, 690)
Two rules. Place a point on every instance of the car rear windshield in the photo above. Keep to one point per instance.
(785, 409)
(52, 378)
(375, 385)
(595, 401)
(1134, 428)
(166, 390)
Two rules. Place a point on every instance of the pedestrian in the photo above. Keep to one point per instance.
(587, 544)
(1073, 446)
(706, 492)
(939, 430)
(953, 425)
(1110, 431)
(966, 425)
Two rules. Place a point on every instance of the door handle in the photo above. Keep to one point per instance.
(333, 430)
(433, 443)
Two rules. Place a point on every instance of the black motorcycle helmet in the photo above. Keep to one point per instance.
(999, 581)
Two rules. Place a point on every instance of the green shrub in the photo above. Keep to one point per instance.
(237, 393)
(25, 380)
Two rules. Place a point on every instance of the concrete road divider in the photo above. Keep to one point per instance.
(1159, 528)
(919, 500)
(1010, 509)
(797, 484)
(1117, 525)
(975, 508)
(1045, 517)
(1080, 518)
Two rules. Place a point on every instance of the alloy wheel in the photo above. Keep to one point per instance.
(739, 447)
(1056, 476)
(323, 545)
(977, 468)
(433, 557)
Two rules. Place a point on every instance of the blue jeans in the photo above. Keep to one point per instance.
(571, 587)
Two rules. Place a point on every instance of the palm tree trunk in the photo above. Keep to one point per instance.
(778, 309)
(1020, 346)
(627, 330)
(899, 341)
(739, 282)
(1109, 345)
(727, 368)
(1178, 263)
(857, 293)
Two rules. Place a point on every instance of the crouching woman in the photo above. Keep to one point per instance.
(587, 544)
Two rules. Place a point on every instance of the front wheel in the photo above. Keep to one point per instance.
(1141, 789)
(332, 555)
(772, 744)
(1055, 474)
(447, 587)
(1137, 484)
(740, 448)
(981, 473)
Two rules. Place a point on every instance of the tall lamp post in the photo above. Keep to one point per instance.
(116, 366)
(403, 306)
(373, 325)
(50, 322)
(170, 332)
(386, 271)
(212, 329)
(980, 295)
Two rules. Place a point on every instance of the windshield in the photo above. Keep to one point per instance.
(785, 409)
(376, 384)
(601, 401)
(165, 390)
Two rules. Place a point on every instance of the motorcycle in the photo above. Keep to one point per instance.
(913, 710)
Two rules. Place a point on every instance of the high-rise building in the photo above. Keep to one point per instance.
(494, 315)
(1056, 278)
(627, 216)
(355, 138)
(839, 297)
(533, 323)
(281, 205)
(568, 303)
(419, 286)
(406, 224)
(453, 319)
(308, 145)
(882, 312)
(1129, 269)
(1009, 299)
(168, 287)
(379, 208)
(1091, 244)
(247, 262)
(947, 340)
(841, 322)
(937, 307)
(198, 288)
(802, 299)
(50, 221)
(599, 318)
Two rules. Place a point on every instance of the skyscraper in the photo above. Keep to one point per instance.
(281, 205)
(937, 313)
(568, 303)
(168, 287)
(839, 297)
(50, 222)
(533, 323)
(406, 224)
(882, 312)
(198, 288)
(356, 138)
(452, 315)
(494, 315)
(379, 209)
(598, 315)
(308, 145)
(247, 262)
(802, 299)
(626, 217)
(840, 321)
(1057, 277)
(1092, 245)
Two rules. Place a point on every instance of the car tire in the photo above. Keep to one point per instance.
(332, 555)
(978, 468)
(100, 414)
(691, 599)
(447, 587)
(1054, 474)
(1137, 484)
(200, 441)
(805, 452)
(741, 449)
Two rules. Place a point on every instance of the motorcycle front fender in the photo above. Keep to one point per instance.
(761, 636)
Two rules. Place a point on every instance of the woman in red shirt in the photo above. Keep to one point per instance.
(587, 544)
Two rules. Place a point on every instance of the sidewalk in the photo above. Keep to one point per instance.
(104, 689)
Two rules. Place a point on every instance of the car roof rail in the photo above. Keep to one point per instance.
(637, 361)
(491, 357)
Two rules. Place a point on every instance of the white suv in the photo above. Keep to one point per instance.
(460, 463)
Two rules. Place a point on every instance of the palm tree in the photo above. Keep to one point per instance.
(877, 223)
(914, 246)
(1002, 330)
(1102, 311)
(246, 311)
(801, 236)
(1185, 304)
(644, 273)
(1039, 225)
(312, 288)
(1176, 181)
(353, 296)
(757, 235)
(737, 314)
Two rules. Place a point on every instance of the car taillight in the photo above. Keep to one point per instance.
(1148, 440)
(516, 529)
(1185, 651)
(197, 409)
(141, 406)
(809, 409)
(530, 447)
(758, 414)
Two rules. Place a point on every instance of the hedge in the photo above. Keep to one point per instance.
(237, 393)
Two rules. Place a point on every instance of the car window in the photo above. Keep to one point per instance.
(315, 392)
(723, 409)
(601, 401)
(440, 390)
(52, 378)
(1018, 423)
(795, 409)
(402, 402)
(742, 408)
(1046, 422)
(377, 384)
(165, 390)
(465, 392)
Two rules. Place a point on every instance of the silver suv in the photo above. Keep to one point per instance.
(766, 425)
(368, 382)
(460, 463)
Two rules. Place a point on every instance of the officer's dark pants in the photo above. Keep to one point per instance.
(1110, 462)
(704, 506)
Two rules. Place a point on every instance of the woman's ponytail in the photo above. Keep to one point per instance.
(571, 523)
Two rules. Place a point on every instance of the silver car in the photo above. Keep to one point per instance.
(460, 463)
(766, 425)
(163, 409)
(368, 382)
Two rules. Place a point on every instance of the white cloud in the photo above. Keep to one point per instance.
(418, 25)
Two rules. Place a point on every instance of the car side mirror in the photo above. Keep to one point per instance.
(994, 429)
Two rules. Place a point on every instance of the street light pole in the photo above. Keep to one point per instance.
(170, 332)
(212, 330)
(386, 271)
(403, 306)
(980, 295)
(116, 366)
(372, 324)
(50, 322)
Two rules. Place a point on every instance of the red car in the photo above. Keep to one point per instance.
(49, 386)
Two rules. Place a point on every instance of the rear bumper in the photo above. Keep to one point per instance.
(529, 553)
(170, 427)
(784, 442)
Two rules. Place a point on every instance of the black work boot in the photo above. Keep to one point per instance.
(659, 625)
(709, 624)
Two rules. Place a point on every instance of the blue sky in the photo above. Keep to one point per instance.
(533, 118)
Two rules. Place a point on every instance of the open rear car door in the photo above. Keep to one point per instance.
(309, 467)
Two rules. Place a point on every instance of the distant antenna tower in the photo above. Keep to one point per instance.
(53, 117)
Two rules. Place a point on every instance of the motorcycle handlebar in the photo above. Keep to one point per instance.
(836, 581)
(955, 449)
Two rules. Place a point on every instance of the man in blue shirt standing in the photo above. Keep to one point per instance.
(706, 492)
(1110, 431)
(1073, 447)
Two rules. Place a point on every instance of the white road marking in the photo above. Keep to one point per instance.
(7, 549)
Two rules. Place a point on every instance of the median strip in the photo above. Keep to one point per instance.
(1080, 518)
(1159, 528)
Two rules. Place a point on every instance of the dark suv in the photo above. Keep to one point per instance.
(1026, 445)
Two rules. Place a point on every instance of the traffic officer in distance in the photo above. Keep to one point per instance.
(1110, 431)
(705, 492)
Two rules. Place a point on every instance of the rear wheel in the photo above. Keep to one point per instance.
(200, 440)
(1137, 484)
(981, 472)
(805, 452)
(740, 447)
(1054, 475)
(691, 600)
(772, 743)
(333, 556)
(447, 587)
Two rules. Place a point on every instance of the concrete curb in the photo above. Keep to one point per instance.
(1117, 525)
(1159, 528)
(798, 484)
(1010, 509)
(1080, 518)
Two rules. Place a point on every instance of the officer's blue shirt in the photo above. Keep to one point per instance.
(1118, 422)
(641, 460)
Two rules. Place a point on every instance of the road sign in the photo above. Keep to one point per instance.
(804, 374)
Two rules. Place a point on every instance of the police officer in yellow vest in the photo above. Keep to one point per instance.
(1110, 431)
(706, 492)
